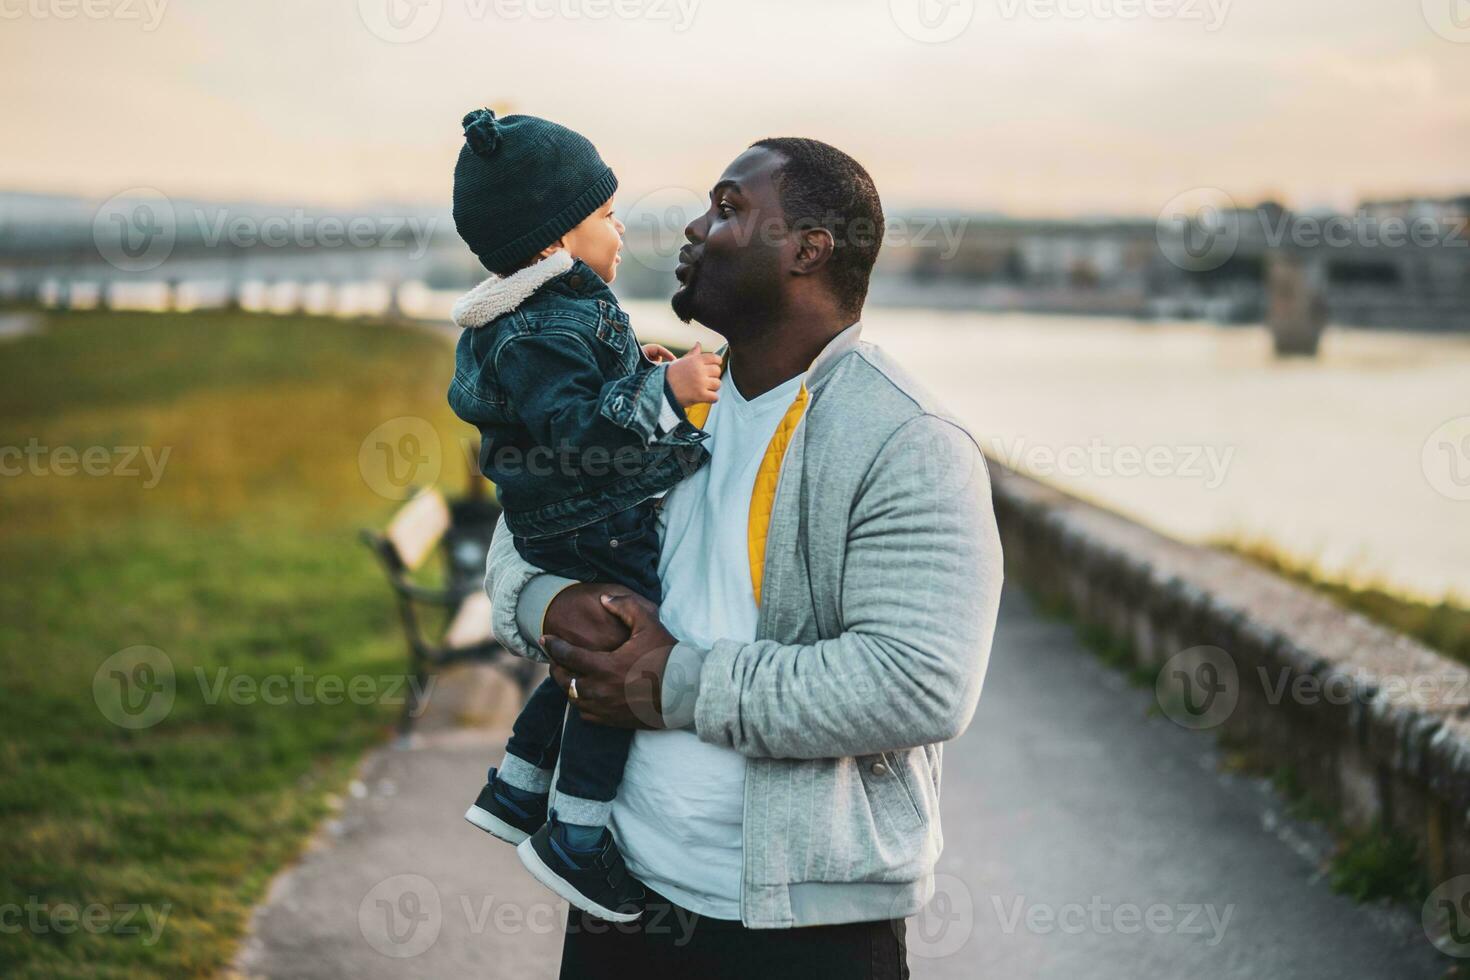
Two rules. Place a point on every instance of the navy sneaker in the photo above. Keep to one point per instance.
(500, 816)
(595, 881)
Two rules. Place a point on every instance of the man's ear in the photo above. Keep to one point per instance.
(813, 250)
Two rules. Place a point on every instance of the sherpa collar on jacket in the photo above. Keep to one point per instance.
(499, 295)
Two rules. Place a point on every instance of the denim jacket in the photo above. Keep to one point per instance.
(576, 424)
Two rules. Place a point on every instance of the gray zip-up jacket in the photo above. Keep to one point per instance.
(882, 577)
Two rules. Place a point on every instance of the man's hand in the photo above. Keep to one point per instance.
(695, 377)
(577, 614)
(619, 686)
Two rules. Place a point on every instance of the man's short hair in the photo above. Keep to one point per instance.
(822, 187)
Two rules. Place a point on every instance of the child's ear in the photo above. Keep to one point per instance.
(548, 250)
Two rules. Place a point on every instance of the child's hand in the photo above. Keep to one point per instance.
(695, 377)
(658, 353)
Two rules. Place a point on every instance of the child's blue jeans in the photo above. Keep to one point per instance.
(623, 549)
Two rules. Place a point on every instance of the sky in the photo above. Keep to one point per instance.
(1031, 107)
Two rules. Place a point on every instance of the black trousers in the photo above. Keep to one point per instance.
(672, 943)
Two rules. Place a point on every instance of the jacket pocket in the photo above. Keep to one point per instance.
(866, 827)
(898, 761)
(888, 787)
(613, 329)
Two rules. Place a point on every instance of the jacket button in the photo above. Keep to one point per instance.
(613, 543)
(879, 769)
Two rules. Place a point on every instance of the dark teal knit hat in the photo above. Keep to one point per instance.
(520, 184)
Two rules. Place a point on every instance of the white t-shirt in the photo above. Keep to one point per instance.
(680, 807)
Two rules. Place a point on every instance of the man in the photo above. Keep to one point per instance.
(830, 584)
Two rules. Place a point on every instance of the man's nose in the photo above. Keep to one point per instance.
(694, 230)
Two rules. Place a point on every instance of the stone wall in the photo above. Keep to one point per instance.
(1373, 724)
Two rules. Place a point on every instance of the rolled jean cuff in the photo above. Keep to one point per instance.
(586, 813)
(679, 691)
(523, 776)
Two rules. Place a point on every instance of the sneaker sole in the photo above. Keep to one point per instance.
(562, 887)
(494, 826)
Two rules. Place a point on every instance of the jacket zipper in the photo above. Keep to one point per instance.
(760, 629)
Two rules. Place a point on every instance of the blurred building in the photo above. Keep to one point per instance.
(1390, 264)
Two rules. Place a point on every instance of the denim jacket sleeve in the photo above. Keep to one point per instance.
(554, 385)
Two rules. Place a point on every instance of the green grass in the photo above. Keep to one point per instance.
(1442, 625)
(1373, 864)
(241, 562)
(1378, 863)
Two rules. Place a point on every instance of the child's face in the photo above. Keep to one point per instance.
(598, 241)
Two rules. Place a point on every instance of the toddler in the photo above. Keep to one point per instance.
(582, 430)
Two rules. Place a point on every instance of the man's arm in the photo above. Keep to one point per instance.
(509, 580)
(920, 592)
(525, 602)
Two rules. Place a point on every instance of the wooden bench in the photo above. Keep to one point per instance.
(460, 533)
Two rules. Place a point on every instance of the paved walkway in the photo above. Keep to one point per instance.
(1084, 839)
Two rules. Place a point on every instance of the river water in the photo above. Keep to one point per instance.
(1358, 460)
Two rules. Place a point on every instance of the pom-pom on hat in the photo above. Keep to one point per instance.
(521, 183)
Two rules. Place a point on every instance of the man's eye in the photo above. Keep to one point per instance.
(725, 209)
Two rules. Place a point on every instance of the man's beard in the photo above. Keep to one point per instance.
(728, 306)
(685, 306)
